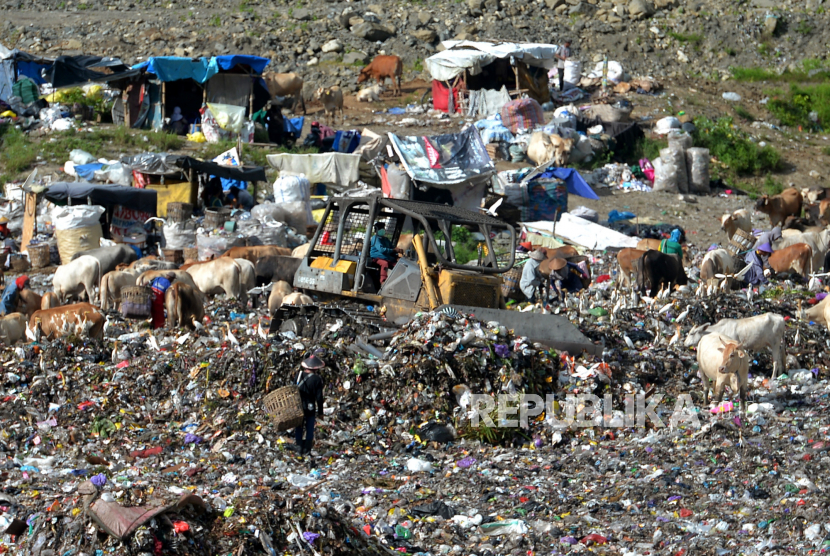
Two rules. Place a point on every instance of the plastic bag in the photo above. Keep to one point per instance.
(179, 235)
(663, 126)
(301, 481)
(616, 216)
(672, 176)
(680, 140)
(119, 174)
(507, 527)
(586, 213)
(211, 246)
(415, 465)
(433, 432)
(79, 216)
(697, 161)
(81, 157)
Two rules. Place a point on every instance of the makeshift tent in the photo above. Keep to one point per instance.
(470, 66)
(71, 71)
(456, 163)
(14, 64)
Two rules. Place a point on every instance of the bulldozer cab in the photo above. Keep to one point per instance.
(464, 272)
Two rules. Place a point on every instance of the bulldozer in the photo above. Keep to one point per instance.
(428, 276)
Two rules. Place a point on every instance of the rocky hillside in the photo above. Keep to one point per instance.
(325, 40)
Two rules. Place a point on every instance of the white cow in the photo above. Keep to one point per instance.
(722, 360)
(220, 275)
(717, 261)
(297, 299)
(278, 291)
(738, 220)
(754, 333)
(13, 327)
(77, 277)
(247, 274)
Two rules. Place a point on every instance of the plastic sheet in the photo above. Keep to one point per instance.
(79, 216)
(680, 140)
(211, 246)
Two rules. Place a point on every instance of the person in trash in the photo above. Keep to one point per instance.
(12, 293)
(178, 124)
(212, 193)
(672, 245)
(159, 286)
(311, 393)
(382, 252)
(240, 198)
(533, 283)
(565, 277)
(758, 260)
(563, 54)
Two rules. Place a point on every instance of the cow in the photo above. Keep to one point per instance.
(151, 263)
(111, 285)
(76, 277)
(779, 207)
(654, 244)
(824, 212)
(382, 67)
(256, 252)
(48, 301)
(184, 305)
(274, 269)
(220, 275)
(28, 301)
(332, 99)
(813, 194)
(284, 85)
(13, 327)
(370, 94)
(626, 259)
(797, 258)
(657, 270)
(296, 299)
(79, 319)
(819, 242)
(278, 292)
(247, 274)
(179, 275)
(544, 148)
(110, 257)
(721, 359)
(755, 333)
(738, 220)
(717, 261)
(816, 313)
(301, 251)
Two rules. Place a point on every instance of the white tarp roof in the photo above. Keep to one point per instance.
(585, 233)
(461, 56)
(5, 52)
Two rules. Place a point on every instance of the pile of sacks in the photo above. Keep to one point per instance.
(681, 167)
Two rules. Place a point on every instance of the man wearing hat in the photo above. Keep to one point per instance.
(382, 252)
(758, 261)
(565, 276)
(12, 293)
(533, 284)
(311, 393)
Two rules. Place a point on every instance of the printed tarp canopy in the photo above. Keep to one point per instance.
(444, 159)
(173, 68)
(471, 56)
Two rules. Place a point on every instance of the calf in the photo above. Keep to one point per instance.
(80, 319)
(76, 277)
(13, 327)
(111, 285)
(278, 292)
(718, 261)
(370, 94)
(797, 258)
(28, 301)
(332, 99)
(656, 270)
(755, 333)
(184, 305)
(626, 259)
(721, 359)
(779, 207)
(382, 67)
(738, 220)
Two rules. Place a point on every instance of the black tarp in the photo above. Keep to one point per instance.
(77, 70)
(105, 195)
(241, 173)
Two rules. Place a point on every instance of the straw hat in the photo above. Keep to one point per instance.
(313, 363)
(558, 264)
(538, 255)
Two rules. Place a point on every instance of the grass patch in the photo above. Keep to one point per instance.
(810, 73)
(804, 28)
(743, 113)
(730, 51)
(418, 65)
(793, 108)
(825, 151)
(216, 21)
(16, 153)
(691, 38)
(737, 155)
(764, 49)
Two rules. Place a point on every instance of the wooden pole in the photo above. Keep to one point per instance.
(426, 277)
(29, 219)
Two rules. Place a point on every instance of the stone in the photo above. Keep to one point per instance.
(346, 16)
(356, 20)
(561, 9)
(582, 8)
(770, 25)
(371, 17)
(353, 58)
(475, 4)
(424, 17)
(301, 14)
(377, 8)
(768, 4)
(73, 44)
(333, 45)
(553, 4)
(681, 56)
(313, 62)
(425, 35)
(492, 5)
(640, 9)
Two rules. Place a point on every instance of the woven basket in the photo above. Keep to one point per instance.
(285, 406)
(136, 302)
(510, 284)
(216, 218)
(741, 241)
(19, 263)
(39, 255)
(173, 255)
(191, 253)
(179, 212)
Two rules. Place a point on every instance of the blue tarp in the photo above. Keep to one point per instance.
(294, 125)
(32, 71)
(87, 171)
(572, 179)
(172, 68)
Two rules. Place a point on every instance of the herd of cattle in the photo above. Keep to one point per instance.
(100, 275)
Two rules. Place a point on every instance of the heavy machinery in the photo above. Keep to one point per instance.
(426, 277)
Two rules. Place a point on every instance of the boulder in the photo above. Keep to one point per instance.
(770, 25)
(356, 57)
(425, 35)
(346, 16)
(553, 4)
(301, 14)
(475, 4)
(333, 45)
(373, 31)
(492, 5)
(424, 17)
(640, 9)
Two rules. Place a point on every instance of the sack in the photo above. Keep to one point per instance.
(697, 160)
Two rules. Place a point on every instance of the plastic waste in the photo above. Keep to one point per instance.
(735, 97)
(418, 465)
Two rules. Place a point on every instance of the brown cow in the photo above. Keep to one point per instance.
(796, 258)
(78, 319)
(184, 305)
(779, 207)
(382, 67)
(824, 212)
(254, 253)
(626, 259)
(284, 85)
(28, 301)
(48, 301)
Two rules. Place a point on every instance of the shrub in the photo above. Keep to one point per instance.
(732, 147)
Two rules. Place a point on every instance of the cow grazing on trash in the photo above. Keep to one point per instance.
(79, 319)
(332, 99)
(220, 275)
(278, 292)
(76, 277)
(111, 285)
(151, 263)
(284, 85)
(48, 301)
(723, 360)
(13, 327)
(297, 299)
(626, 259)
(795, 258)
(754, 333)
(819, 242)
(738, 220)
(717, 261)
(179, 276)
(657, 270)
(110, 257)
(184, 305)
(256, 252)
(779, 207)
(382, 67)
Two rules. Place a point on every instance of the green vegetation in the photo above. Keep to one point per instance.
(825, 150)
(819, 73)
(804, 28)
(648, 148)
(743, 113)
(738, 156)
(418, 65)
(497, 434)
(692, 38)
(216, 21)
(793, 108)
(245, 8)
(764, 49)
(730, 51)
(83, 6)
(15, 154)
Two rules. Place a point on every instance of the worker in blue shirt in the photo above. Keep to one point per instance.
(382, 252)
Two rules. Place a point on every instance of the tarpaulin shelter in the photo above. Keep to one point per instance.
(472, 66)
(454, 167)
(14, 64)
(71, 71)
(234, 80)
